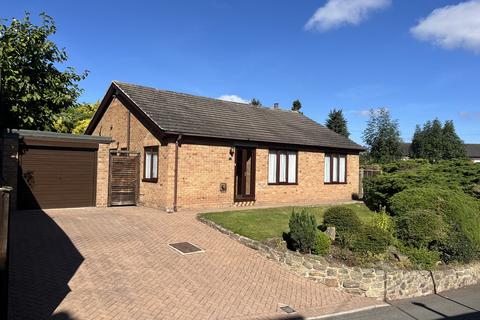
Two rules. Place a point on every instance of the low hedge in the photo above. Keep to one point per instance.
(345, 221)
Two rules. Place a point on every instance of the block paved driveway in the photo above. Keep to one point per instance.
(114, 263)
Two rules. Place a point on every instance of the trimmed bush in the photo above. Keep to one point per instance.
(422, 258)
(421, 228)
(303, 230)
(371, 239)
(322, 244)
(345, 221)
(459, 212)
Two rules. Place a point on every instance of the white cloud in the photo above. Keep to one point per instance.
(336, 13)
(365, 112)
(233, 98)
(467, 115)
(454, 26)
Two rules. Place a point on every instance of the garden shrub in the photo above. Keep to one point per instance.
(421, 228)
(459, 211)
(303, 230)
(453, 174)
(423, 258)
(458, 247)
(322, 244)
(384, 222)
(345, 221)
(371, 239)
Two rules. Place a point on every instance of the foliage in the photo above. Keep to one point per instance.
(266, 223)
(345, 221)
(322, 244)
(256, 102)
(33, 88)
(75, 119)
(460, 216)
(459, 247)
(383, 221)
(382, 136)
(337, 122)
(421, 228)
(303, 230)
(423, 258)
(371, 239)
(296, 105)
(436, 143)
(398, 176)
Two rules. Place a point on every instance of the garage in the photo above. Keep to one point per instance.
(57, 170)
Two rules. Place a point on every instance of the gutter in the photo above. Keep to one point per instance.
(175, 183)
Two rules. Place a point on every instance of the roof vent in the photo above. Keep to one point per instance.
(275, 105)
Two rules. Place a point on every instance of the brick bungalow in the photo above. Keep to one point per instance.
(200, 152)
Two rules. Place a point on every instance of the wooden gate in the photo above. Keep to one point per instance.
(124, 178)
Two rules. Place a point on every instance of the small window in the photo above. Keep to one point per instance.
(150, 164)
(335, 168)
(282, 167)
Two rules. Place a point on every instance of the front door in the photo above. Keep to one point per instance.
(244, 174)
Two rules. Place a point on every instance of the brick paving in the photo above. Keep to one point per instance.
(115, 263)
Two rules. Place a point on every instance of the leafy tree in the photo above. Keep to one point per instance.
(296, 105)
(453, 146)
(256, 102)
(337, 122)
(75, 119)
(33, 89)
(434, 142)
(382, 137)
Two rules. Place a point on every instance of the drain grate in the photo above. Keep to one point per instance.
(287, 309)
(185, 247)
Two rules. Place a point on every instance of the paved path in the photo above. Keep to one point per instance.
(460, 304)
(114, 263)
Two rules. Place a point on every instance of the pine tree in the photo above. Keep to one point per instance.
(436, 143)
(296, 105)
(453, 146)
(337, 122)
(382, 136)
(418, 143)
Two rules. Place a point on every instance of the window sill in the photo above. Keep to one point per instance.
(150, 180)
(283, 184)
(335, 183)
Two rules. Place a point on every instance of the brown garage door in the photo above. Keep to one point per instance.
(52, 177)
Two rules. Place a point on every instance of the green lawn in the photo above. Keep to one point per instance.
(260, 224)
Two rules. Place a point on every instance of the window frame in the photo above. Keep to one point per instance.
(277, 172)
(336, 156)
(153, 150)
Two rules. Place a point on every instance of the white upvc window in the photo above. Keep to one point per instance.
(335, 170)
(282, 167)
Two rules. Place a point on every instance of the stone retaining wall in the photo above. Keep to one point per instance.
(368, 282)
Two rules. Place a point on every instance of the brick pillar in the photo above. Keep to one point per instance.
(103, 163)
(9, 154)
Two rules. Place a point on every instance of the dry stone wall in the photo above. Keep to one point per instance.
(368, 282)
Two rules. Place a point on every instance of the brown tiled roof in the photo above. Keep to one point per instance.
(473, 150)
(206, 117)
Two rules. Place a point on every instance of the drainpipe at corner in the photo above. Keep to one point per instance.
(175, 183)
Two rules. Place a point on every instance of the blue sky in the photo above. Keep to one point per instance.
(349, 54)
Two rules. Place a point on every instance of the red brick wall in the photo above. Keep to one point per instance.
(203, 167)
